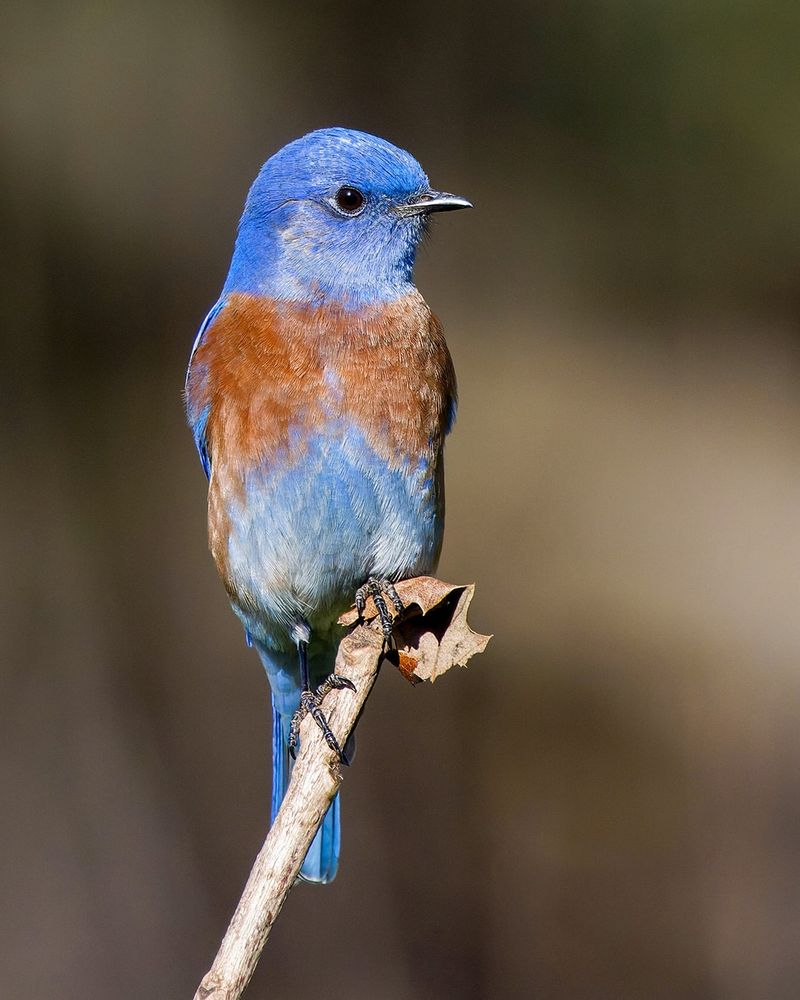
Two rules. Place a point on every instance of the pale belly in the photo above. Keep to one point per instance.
(301, 540)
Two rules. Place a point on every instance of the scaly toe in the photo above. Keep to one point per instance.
(376, 588)
(311, 704)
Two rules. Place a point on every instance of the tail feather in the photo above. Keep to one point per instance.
(281, 762)
(322, 861)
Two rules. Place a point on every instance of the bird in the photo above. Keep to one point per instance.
(319, 392)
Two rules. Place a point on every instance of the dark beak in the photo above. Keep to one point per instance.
(433, 201)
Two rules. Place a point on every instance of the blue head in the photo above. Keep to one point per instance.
(335, 215)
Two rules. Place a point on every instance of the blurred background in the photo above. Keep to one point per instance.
(606, 804)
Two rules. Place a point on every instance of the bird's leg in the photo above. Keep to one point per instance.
(376, 588)
(302, 649)
(311, 704)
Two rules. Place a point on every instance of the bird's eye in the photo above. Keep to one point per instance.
(349, 200)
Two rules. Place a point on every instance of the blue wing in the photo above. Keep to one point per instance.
(198, 420)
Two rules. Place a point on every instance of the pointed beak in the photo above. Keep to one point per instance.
(433, 201)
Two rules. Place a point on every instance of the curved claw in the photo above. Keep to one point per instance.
(334, 682)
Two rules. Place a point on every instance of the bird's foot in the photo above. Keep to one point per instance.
(311, 704)
(376, 588)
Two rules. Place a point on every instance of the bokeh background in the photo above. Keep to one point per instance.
(605, 805)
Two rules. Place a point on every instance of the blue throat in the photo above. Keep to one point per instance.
(298, 258)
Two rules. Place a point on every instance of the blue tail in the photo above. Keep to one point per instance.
(322, 860)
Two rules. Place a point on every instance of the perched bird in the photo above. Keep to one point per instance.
(319, 392)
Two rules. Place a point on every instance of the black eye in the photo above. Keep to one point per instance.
(349, 200)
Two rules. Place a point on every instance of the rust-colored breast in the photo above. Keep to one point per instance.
(271, 373)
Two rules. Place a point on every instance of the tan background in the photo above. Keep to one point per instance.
(607, 805)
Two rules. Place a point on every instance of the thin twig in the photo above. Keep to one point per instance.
(432, 636)
(315, 781)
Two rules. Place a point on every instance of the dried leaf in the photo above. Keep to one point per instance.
(432, 633)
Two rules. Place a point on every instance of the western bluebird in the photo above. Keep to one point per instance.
(319, 392)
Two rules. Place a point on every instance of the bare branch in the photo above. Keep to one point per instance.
(432, 635)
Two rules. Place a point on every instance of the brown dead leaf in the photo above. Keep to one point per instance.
(431, 634)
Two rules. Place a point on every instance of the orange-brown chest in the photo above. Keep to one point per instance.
(271, 375)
